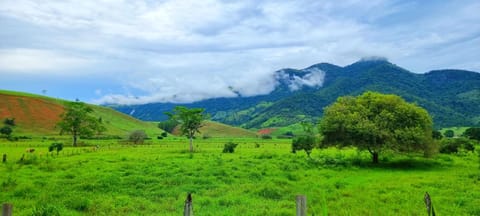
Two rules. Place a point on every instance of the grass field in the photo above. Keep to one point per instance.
(262, 177)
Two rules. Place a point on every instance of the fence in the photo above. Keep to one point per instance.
(301, 206)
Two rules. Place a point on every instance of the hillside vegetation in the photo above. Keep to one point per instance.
(37, 115)
(214, 129)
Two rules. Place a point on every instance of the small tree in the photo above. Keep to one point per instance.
(78, 121)
(6, 131)
(375, 122)
(137, 136)
(305, 142)
(190, 120)
(449, 133)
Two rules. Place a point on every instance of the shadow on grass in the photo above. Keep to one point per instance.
(402, 164)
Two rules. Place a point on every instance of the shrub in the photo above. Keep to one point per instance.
(449, 133)
(55, 146)
(473, 133)
(6, 131)
(164, 134)
(454, 145)
(9, 121)
(266, 136)
(137, 136)
(229, 147)
(286, 135)
(437, 135)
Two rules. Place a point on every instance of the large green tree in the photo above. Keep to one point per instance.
(78, 121)
(375, 122)
(190, 120)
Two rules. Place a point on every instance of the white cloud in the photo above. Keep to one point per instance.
(33, 61)
(189, 50)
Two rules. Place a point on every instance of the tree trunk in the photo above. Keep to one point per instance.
(74, 140)
(191, 144)
(375, 157)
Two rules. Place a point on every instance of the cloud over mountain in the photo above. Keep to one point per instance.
(150, 51)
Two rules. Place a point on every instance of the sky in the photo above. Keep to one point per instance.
(135, 52)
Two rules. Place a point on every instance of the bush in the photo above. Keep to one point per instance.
(164, 134)
(6, 131)
(9, 122)
(229, 147)
(473, 133)
(55, 146)
(454, 145)
(266, 136)
(137, 136)
(449, 133)
(286, 135)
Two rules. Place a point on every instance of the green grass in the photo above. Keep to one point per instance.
(155, 179)
(25, 94)
(121, 124)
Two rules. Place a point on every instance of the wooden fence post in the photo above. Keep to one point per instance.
(188, 209)
(428, 204)
(7, 209)
(301, 205)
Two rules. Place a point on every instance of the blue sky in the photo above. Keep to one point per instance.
(132, 52)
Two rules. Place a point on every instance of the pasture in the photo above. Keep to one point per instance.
(262, 177)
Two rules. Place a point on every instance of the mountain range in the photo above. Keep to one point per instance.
(451, 96)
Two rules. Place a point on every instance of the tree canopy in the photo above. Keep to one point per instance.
(78, 121)
(375, 122)
(190, 120)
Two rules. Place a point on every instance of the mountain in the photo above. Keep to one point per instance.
(38, 115)
(452, 97)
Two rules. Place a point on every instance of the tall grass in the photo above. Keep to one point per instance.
(154, 180)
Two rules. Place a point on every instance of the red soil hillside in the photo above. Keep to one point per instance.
(38, 115)
(30, 113)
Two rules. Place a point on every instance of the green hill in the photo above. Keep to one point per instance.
(37, 115)
(218, 130)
